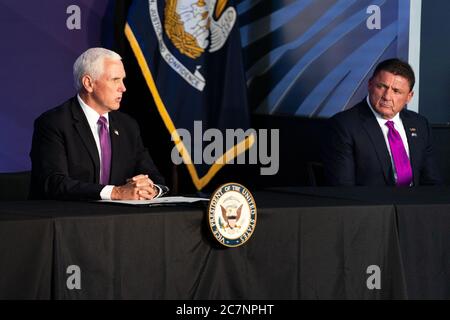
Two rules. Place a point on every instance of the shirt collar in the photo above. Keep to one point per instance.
(396, 119)
(91, 115)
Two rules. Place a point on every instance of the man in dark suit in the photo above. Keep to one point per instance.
(85, 148)
(378, 142)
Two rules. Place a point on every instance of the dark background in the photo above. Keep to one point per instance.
(434, 62)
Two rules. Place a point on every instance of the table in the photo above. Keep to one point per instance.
(309, 243)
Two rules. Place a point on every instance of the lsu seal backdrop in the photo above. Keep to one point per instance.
(232, 214)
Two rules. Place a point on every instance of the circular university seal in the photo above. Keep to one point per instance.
(232, 214)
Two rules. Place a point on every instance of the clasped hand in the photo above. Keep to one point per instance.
(139, 187)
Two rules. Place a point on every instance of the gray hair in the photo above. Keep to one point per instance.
(91, 62)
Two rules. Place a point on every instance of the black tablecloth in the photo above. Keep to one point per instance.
(320, 243)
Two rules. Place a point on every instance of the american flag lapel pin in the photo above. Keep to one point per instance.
(413, 132)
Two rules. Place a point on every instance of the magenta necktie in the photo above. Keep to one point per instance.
(105, 147)
(400, 157)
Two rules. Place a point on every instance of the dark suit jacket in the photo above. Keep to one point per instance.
(356, 152)
(65, 159)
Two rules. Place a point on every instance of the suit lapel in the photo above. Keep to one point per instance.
(85, 133)
(371, 126)
(114, 133)
(410, 127)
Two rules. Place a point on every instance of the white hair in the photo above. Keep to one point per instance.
(91, 62)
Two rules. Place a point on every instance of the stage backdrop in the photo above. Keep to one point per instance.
(301, 57)
(313, 58)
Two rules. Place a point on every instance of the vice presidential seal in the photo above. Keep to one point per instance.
(232, 214)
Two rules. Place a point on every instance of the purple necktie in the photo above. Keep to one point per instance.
(105, 147)
(400, 157)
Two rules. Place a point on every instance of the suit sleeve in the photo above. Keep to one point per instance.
(337, 155)
(50, 178)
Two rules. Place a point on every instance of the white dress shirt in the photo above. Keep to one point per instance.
(92, 117)
(398, 125)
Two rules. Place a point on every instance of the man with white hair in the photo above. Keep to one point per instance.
(85, 148)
